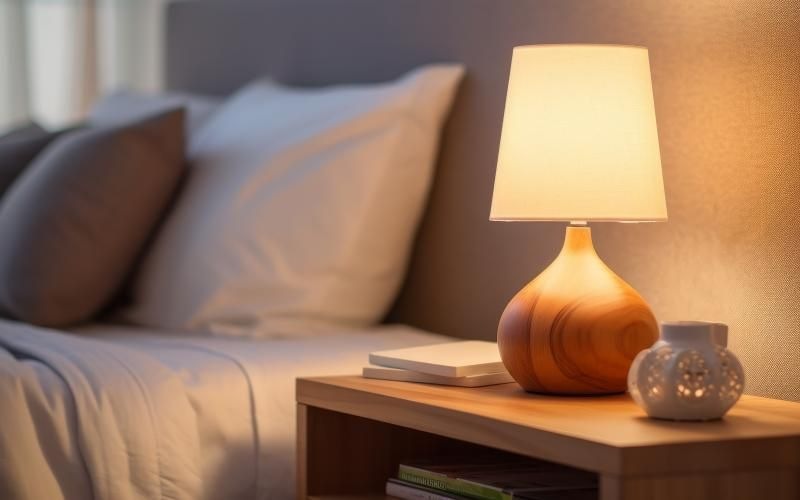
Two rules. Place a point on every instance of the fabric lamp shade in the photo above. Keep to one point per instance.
(579, 139)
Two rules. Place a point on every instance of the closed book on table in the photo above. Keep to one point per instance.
(401, 375)
(454, 359)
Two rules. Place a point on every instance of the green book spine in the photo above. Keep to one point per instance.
(450, 484)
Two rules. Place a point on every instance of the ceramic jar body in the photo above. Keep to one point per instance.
(689, 374)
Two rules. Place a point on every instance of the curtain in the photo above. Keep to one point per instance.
(58, 56)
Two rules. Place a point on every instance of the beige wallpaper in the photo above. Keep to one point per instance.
(727, 89)
(728, 97)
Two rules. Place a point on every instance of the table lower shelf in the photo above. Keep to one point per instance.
(353, 433)
(341, 456)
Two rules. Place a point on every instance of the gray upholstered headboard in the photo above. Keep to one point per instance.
(725, 78)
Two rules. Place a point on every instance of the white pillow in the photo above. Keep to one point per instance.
(125, 106)
(300, 210)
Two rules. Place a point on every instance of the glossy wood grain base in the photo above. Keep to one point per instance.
(576, 327)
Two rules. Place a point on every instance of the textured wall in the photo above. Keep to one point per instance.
(728, 91)
(727, 97)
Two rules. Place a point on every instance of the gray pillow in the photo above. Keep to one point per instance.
(18, 148)
(75, 221)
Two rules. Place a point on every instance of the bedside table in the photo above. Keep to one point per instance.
(353, 432)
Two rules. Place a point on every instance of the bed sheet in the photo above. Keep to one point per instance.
(242, 391)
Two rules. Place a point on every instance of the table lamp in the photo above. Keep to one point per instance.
(579, 144)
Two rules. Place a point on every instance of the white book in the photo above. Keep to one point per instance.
(401, 375)
(455, 359)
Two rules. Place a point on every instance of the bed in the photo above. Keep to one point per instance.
(110, 411)
(122, 412)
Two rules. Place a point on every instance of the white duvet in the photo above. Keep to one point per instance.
(121, 413)
(86, 419)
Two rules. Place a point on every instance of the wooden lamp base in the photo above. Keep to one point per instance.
(576, 327)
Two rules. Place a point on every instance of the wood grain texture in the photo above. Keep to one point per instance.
(301, 465)
(366, 426)
(774, 483)
(607, 434)
(344, 455)
(576, 327)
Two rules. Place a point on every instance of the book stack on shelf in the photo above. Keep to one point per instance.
(471, 363)
(491, 479)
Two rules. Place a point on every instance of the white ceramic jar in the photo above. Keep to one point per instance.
(689, 374)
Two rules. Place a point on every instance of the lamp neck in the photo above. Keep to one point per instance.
(578, 240)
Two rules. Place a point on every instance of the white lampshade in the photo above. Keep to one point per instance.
(579, 138)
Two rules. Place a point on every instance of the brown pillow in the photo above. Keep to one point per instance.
(74, 222)
(19, 147)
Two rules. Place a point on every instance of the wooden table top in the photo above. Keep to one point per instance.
(606, 434)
